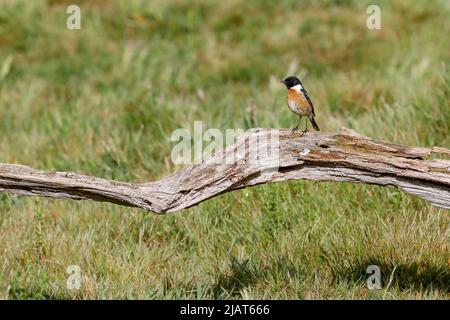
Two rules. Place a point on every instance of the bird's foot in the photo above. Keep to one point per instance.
(303, 132)
(294, 130)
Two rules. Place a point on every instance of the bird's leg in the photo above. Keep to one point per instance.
(306, 129)
(296, 128)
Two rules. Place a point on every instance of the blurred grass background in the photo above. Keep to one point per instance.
(105, 99)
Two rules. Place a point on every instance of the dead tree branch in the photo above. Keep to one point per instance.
(344, 156)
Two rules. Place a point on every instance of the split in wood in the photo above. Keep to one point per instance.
(344, 156)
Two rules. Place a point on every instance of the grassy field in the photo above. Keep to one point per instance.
(105, 99)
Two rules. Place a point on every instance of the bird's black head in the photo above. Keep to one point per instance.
(291, 81)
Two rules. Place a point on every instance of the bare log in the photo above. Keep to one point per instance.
(344, 156)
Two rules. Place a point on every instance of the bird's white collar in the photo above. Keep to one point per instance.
(297, 87)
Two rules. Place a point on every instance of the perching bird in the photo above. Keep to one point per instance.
(299, 102)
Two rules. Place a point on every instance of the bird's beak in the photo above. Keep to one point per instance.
(282, 81)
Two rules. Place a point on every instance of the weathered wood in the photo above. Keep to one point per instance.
(344, 156)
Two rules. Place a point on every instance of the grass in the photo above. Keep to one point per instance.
(105, 99)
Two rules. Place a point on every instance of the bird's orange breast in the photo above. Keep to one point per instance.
(297, 102)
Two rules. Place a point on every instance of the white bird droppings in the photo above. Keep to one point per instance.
(304, 152)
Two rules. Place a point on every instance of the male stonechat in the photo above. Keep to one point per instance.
(299, 102)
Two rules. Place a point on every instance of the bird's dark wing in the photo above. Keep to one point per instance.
(309, 100)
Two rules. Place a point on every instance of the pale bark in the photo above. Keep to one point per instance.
(344, 156)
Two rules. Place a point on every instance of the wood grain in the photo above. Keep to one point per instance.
(343, 156)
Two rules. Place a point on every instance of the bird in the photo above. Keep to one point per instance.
(299, 102)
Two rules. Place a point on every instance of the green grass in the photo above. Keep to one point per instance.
(105, 99)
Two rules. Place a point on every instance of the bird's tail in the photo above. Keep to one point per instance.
(313, 122)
